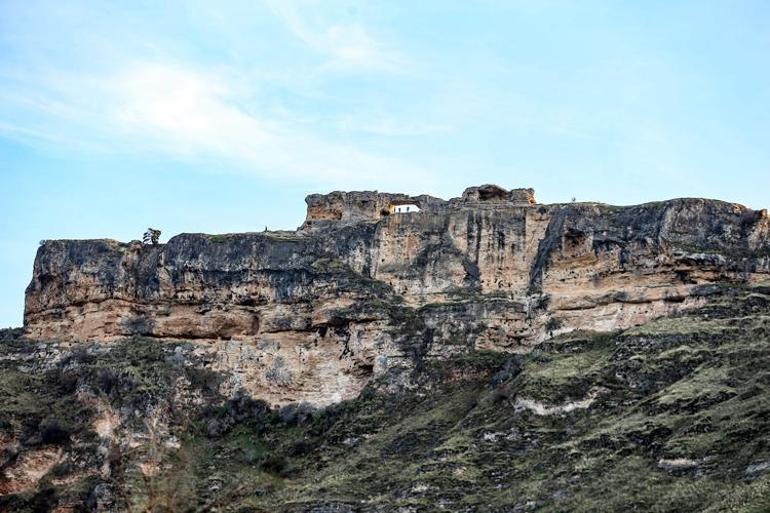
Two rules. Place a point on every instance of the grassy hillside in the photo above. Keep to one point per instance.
(671, 416)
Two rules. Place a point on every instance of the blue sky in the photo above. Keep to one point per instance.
(221, 116)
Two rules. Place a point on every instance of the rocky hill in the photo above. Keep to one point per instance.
(312, 315)
(483, 354)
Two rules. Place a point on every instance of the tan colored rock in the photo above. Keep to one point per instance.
(24, 474)
(313, 314)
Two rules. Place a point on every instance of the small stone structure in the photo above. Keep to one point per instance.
(347, 208)
(404, 207)
(490, 193)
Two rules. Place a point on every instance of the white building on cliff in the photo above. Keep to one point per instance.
(404, 207)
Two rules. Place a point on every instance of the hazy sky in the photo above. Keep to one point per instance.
(221, 116)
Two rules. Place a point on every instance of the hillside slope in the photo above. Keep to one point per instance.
(672, 415)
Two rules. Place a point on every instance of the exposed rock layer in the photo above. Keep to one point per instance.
(671, 416)
(312, 314)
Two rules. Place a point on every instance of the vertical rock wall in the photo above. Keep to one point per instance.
(312, 314)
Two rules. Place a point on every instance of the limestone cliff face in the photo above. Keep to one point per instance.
(312, 314)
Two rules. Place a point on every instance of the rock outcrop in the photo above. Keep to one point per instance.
(313, 314)
(673, 416)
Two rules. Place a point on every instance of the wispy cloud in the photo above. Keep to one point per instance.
(143, 95)
(345, 45)
(191, 113)
(195, 115)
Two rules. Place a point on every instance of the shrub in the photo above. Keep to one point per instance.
(275, 464)
(151, 236)
(107, 380)
(296, 414)
(54, 431)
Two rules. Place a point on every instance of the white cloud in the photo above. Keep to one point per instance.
(183, 111)
(142, 94)
(192, 114)
(196, 115)
(346, 45)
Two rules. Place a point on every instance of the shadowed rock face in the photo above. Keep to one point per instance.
(312, 314)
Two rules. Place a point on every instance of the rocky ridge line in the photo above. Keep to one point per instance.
(315, 313)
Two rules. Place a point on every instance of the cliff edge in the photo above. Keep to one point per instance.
(315, 313)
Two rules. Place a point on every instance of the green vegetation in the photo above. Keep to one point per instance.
(218, 238)
(328, 265)
(283, 235)
(678, 420)
(151, 236)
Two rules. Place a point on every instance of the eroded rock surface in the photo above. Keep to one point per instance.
(670, 416)
(313, 314)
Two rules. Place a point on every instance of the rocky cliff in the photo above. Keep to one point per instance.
(314, 314)
(486, 354)
(672, 416)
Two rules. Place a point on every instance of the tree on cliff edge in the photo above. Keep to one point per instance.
(151, 236)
